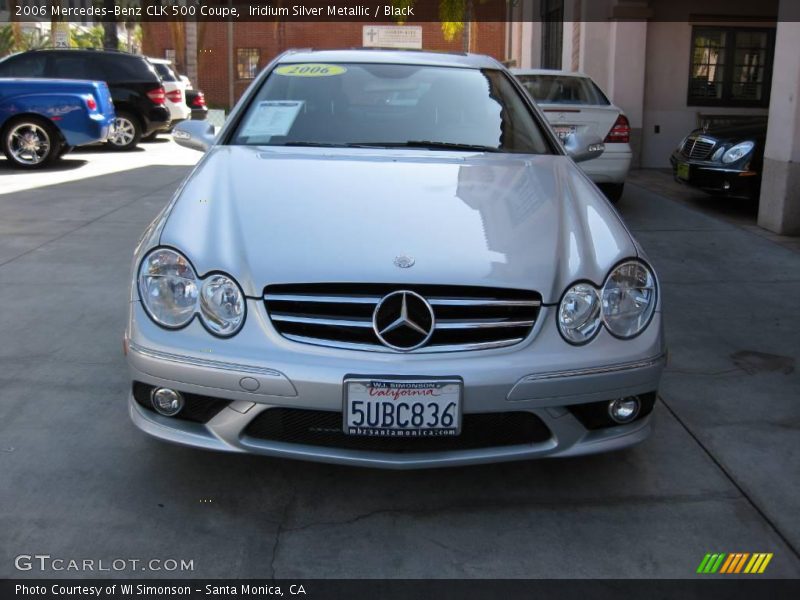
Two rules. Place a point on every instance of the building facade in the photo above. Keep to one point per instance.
(673, 65)
(229, 55)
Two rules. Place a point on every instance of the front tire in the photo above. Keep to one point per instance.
(30, 143)
(613, 191)
(127, 132)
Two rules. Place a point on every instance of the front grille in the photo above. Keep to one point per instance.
(324, 428)
(340, 315)
(698, 147)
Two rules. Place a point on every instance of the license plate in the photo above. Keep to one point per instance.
(402, 408)
(683, 171)
(564, 131)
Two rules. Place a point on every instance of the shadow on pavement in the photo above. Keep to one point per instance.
(65, 164)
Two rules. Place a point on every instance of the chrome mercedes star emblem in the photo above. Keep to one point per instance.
(404, 261)
(403, 320)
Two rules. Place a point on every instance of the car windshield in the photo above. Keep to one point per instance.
(563, 89)
(390, 105)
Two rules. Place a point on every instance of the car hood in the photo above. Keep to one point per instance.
(305, 215)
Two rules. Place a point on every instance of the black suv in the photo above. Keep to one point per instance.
(135, 86)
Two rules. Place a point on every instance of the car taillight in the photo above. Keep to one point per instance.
(620, 133)
(91, 103)
(199, 100)
(174, 96)
(157, 95)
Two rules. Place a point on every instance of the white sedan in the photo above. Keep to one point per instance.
(572, 103)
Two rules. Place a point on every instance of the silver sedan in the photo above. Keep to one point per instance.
(388, 259)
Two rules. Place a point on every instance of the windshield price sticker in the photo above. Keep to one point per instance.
(273, 117)
(310, 70)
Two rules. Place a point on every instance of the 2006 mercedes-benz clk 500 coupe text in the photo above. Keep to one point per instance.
(386, 258)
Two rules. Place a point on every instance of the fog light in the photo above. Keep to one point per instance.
(726, 186)
(624, 410)
(166, 402)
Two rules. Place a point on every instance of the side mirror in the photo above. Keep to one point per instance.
(197, 135)
(583, 147)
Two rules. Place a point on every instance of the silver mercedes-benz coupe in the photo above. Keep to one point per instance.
(388, 259)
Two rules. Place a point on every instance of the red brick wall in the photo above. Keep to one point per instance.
(273, 38)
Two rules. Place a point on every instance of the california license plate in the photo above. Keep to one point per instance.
(402, 407)
(683, 171)
(564, 131)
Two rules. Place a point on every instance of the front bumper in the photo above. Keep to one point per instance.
(732, 181)
(542, 375)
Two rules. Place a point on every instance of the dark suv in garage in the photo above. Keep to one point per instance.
(135, 86)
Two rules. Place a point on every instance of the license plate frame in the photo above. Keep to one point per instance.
(449, 386)
(683, 171)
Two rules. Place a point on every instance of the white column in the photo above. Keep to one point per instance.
(779, 206)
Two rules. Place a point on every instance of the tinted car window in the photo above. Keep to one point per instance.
(376, 104)
(562, 89)
(126, 69)
(27, 65)
(164, 72)
(75, 67)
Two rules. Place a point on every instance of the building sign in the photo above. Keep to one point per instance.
(392, 36)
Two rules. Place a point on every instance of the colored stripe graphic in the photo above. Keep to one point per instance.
(732, 558)
(711, 563)
(704, 563)
(764, 564)
(734, 563)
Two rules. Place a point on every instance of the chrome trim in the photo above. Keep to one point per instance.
(202, 362)
(380, 348)
(480, 302)
(320, 321)
(456, 324)
(640, 364)
(318, 298)
(376, 299)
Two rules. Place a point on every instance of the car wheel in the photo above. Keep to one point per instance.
(30, 143)
(127, 132)
(613, 191)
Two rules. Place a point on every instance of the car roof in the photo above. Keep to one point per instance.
(403, 57)
(84, 52)
(556, 72)
(159, 61)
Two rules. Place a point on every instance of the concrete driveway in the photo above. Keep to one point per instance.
(80, 482)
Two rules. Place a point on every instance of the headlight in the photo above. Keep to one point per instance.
(737, 152)
(222, 305)
(168, 287)
(579, 313)
(172, 294)
(718, 154)
(629, 299)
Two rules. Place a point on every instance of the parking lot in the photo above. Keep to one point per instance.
(720, 474)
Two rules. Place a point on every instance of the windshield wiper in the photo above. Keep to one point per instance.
(427, 144)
